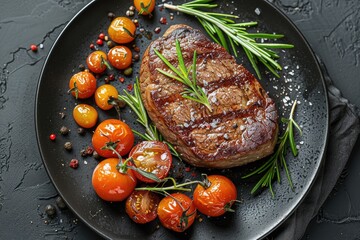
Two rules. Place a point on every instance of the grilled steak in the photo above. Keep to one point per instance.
(242, 126)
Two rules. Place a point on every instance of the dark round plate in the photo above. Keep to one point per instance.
(255, 216)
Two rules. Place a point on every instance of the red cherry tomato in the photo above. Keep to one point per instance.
(116, 131)
(85, 115)
(141, 206)
(144, 7)
(153, 157)
(111, 185)
(176, 212)
(96, 61)
(103, 94)
(82, 85)
(217, 198)
(122, 30)
(120, 57)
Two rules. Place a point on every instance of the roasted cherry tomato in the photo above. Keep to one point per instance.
(111, 185)
(144, 7)
(122, 30)
(141, 206)
(216, 199)
(85, 115)
(82, 85)
(103, 94)
(113, 131)
(177, 212)
(120, 57)
(96, 61)
(153, 157)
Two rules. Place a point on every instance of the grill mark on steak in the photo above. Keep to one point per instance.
(204, 138)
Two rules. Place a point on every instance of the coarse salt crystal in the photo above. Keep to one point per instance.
(257, 11)
(163, 156)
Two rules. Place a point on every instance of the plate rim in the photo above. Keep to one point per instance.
(321, 157)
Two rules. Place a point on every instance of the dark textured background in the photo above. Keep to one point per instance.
(330, 26)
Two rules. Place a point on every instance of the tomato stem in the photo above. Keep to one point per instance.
(173, 187)
(116, 103)
(123, 166)
(75, 89)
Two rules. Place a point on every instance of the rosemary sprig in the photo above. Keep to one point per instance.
(192, 91)
(222, 28)
(271, 168)
(136, 104)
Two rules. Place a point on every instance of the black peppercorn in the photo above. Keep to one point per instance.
(111, 16)
(96, 155)
(68, 146)
(136, 57)
(81, 131)
(60, 203)
(83, 153)
(50, 210)
(81, 67)
(64, 130)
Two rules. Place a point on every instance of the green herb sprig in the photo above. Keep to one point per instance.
(192, 91)
(223, 29)
(136, 104)
(271, 168)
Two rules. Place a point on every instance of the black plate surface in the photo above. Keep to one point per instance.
(256, 216)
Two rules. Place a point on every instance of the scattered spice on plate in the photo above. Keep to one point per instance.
(64, 131)
(52, 137)
(68, 146)
(74, 163)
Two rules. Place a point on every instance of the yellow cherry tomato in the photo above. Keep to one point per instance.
(103, 94)
(145, 7)
(82, 85)
(85, 115)
(96, 61)
(120, 57)
(122, 30)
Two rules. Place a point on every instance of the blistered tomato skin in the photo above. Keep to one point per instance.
(95, 61)
(122, 30)
(214, 200)
(115, 131)
(103, 94)
(85, 115)
(141, 206)
(120, 57)
(153, 157)
(82, 85)
(111, 185)
(174, 216)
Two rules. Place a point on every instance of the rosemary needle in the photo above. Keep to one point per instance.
(192, 91)
(222, 28)
(271, 168)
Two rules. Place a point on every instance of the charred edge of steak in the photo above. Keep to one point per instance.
(243, 125)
